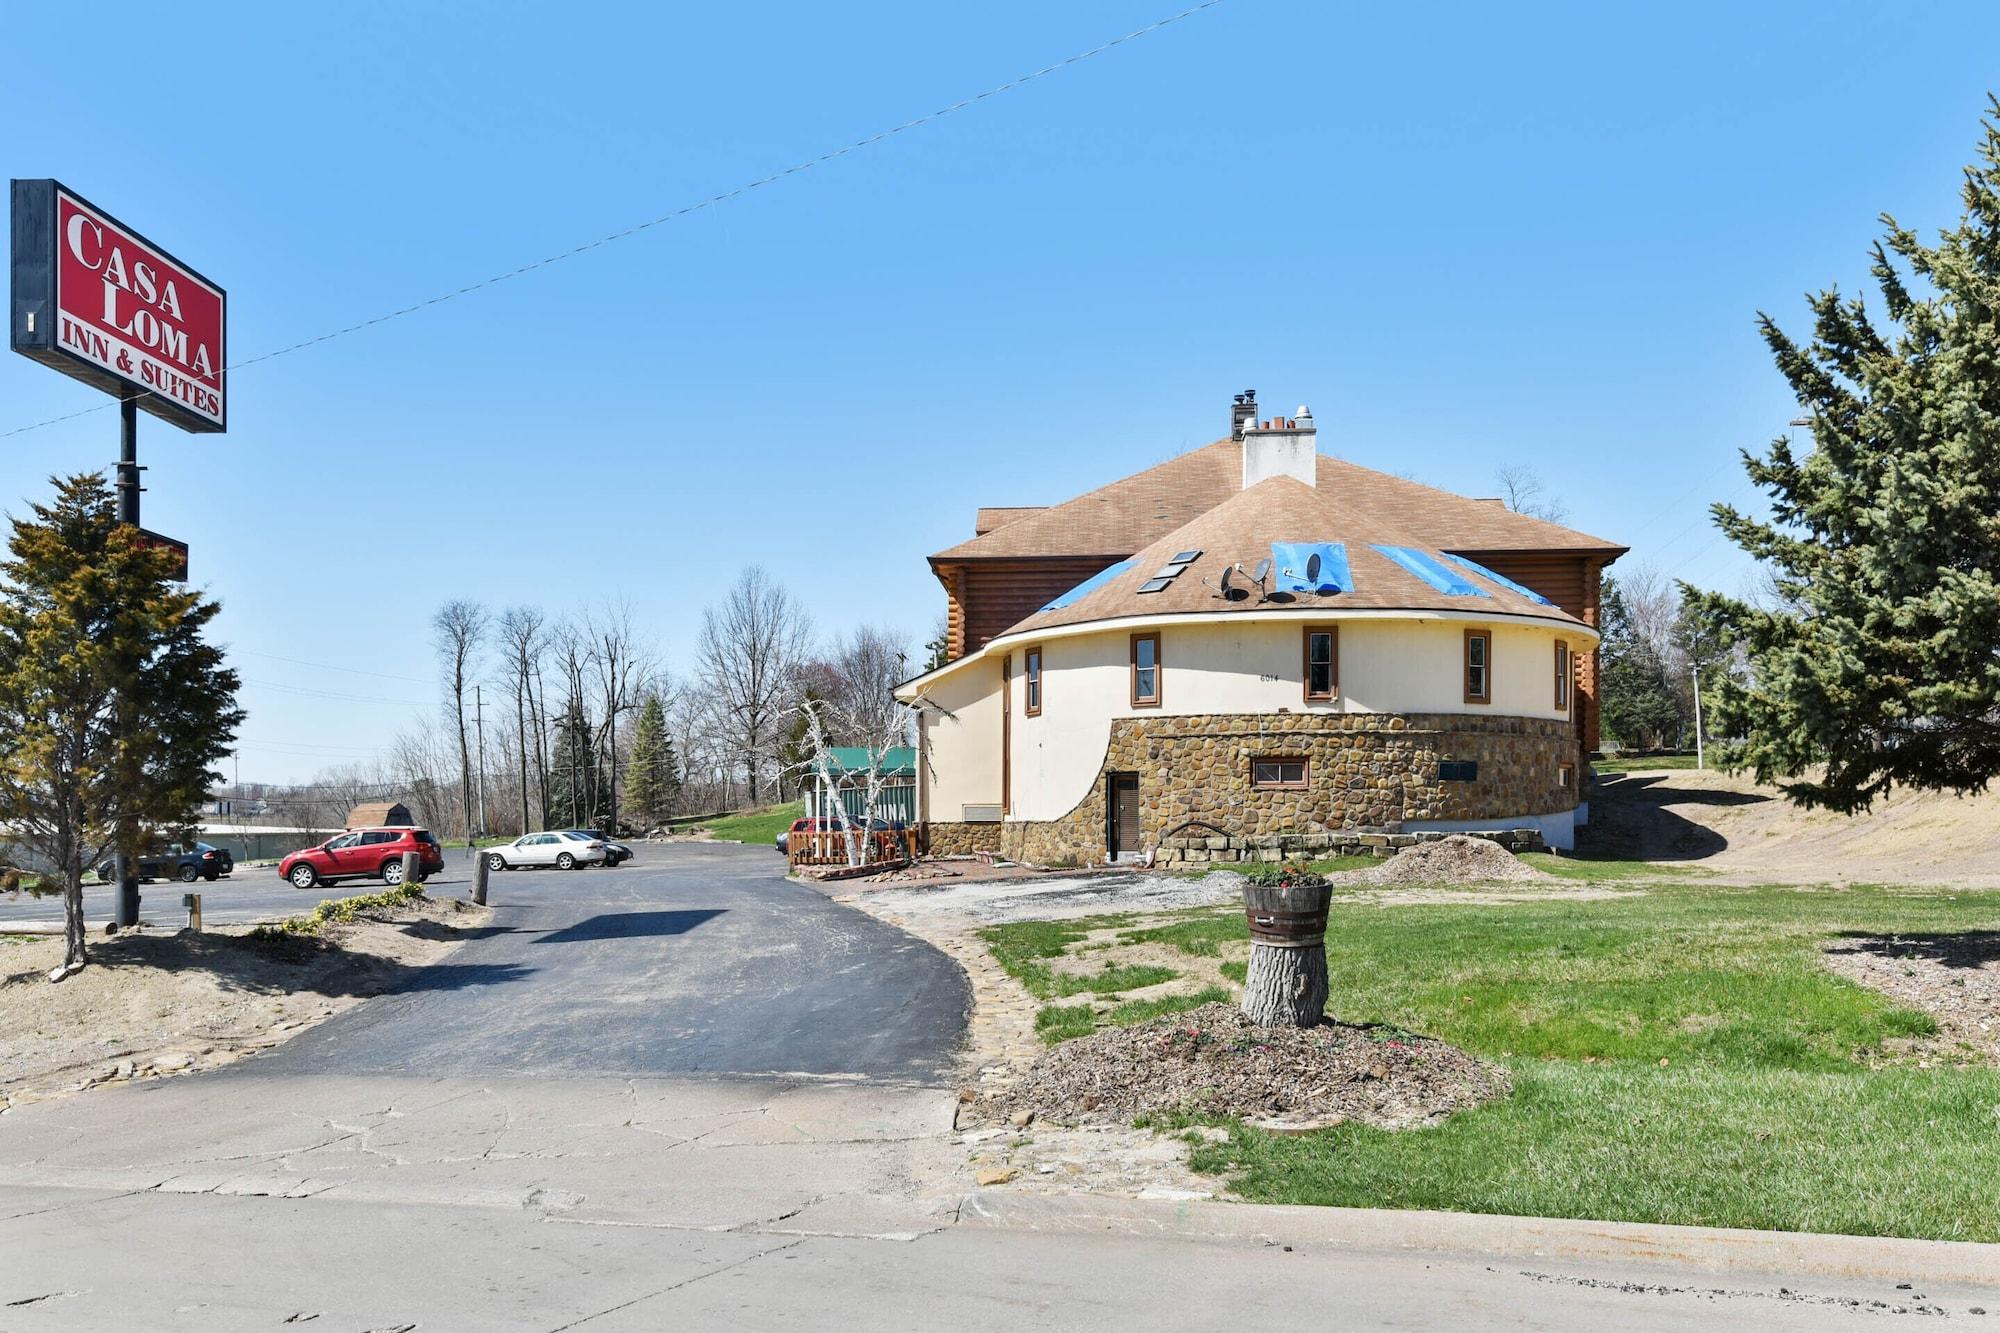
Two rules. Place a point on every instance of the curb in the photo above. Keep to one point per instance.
(1501, 1236)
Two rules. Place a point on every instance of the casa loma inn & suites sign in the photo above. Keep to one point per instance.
(96, 300)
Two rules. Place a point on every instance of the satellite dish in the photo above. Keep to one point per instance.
(1312, 568)
(1228, 583)
(1263, 572)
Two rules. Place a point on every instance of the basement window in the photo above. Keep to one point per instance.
(1458, 770)
(1283, 773)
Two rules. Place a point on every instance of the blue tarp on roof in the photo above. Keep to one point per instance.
(1088, 586)
(1500, 579)
(1431, 572)
(1291, 558)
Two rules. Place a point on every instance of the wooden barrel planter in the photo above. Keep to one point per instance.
(1286, 983)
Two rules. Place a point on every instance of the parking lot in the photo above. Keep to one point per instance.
(252, 893)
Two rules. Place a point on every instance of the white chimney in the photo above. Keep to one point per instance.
(1281, 447)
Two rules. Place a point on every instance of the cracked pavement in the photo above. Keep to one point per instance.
(711, 1098)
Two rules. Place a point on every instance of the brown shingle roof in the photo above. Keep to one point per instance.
(379, 814)
(990, 517)
(1242, 529)
(1137, 510)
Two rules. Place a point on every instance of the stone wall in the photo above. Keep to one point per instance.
(953, 839)
(1195, 849)
(1368, 772)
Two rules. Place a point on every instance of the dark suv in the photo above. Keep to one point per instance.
(186, 864)
(365, 853)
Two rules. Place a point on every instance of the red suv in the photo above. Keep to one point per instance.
(364, 853)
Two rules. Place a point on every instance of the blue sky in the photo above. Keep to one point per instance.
(1467, 235)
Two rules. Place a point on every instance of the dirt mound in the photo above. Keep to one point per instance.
(1454, 860)
(1213, 1060)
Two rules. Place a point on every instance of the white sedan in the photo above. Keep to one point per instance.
(564, 851)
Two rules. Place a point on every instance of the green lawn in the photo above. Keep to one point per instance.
(1649, 764)
(1024, 947)
(1605, 868)
(1680, 1055)
(756, 826)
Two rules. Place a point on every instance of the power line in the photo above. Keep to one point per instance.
(328, 666)
(712, 201)
(310, 693)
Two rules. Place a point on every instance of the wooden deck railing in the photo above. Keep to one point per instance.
(830, 849)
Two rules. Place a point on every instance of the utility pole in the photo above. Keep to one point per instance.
(1698, 759)
(126, 911)
(479, 726)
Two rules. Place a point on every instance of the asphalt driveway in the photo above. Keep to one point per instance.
(693, 959)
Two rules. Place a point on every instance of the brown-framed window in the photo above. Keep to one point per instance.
(1566, 776)
(1562, 676)
(1146, 670)
(1031, 681)
(1284, 772)
(1479, 666)
(1322, 663)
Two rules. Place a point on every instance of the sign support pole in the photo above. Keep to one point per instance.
(127, 913)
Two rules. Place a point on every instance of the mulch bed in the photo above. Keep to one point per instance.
(1953, 977)
(1213, 1061)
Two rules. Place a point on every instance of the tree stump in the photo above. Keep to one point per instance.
(1286, 983)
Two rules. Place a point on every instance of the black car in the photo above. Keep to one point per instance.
(614, 852)
(186, 864)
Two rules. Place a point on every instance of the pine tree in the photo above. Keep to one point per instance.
(572, 772)
(114, 710)
(1882, 662)
(653, 781)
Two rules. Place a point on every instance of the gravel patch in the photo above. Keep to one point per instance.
(995, 902)
(1453, 860)
(1955, 978)
(1212, 1060)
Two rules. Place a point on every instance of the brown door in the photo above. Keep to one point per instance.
(1124, 814)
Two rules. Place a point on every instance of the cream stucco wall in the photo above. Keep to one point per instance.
(1399, 666)
(962, 730)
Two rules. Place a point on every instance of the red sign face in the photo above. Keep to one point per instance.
(125, 307)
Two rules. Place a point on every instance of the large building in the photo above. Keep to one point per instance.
(1255, 639)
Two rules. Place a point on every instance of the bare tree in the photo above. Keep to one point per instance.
(822, 718)
(747, 651)
(1524, 492)
(573, 658)
(621, 668)
(460, 627)
(865, 670)
(523, 637)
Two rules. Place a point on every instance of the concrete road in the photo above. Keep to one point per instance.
(689, 959)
